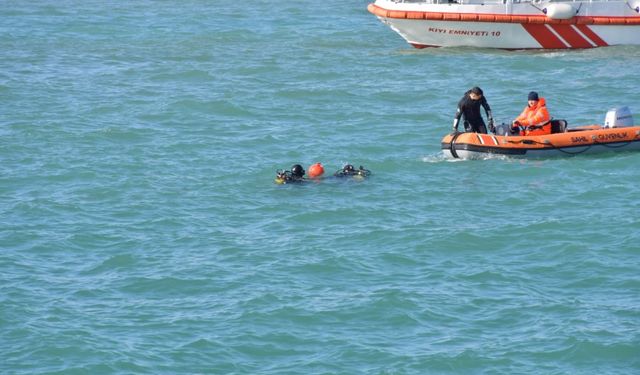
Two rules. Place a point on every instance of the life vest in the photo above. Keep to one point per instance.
(537, 116)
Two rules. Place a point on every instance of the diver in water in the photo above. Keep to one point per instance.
(349, 171)
(295, 175)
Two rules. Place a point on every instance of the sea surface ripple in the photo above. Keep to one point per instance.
(141, 231)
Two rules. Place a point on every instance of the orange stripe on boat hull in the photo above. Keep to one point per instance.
(591, 35)
(501, 18)
(544, 36)
(571, 36)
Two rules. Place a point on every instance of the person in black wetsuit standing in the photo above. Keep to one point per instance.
(469, 107)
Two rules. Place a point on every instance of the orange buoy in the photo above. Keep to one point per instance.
(316, 170)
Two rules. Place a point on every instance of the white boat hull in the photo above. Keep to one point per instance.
(510, 26)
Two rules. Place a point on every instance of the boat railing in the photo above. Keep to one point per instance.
(490, 1)
(457, 1)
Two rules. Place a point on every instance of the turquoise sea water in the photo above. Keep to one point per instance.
(141, 231)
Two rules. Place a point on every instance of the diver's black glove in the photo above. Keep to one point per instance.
(492, 127)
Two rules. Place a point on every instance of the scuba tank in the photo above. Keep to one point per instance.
(282, 176)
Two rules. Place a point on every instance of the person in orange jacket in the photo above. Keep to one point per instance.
(534, 118)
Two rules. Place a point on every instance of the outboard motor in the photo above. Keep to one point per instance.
(618, 118)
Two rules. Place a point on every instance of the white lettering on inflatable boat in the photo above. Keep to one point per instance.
(463, 32)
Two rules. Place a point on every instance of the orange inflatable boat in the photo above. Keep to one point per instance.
(617, 134)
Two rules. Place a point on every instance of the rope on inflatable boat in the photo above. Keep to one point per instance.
(531, 142)
(575, 153)
(619, 146)
(452, 148)
(587, 148)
